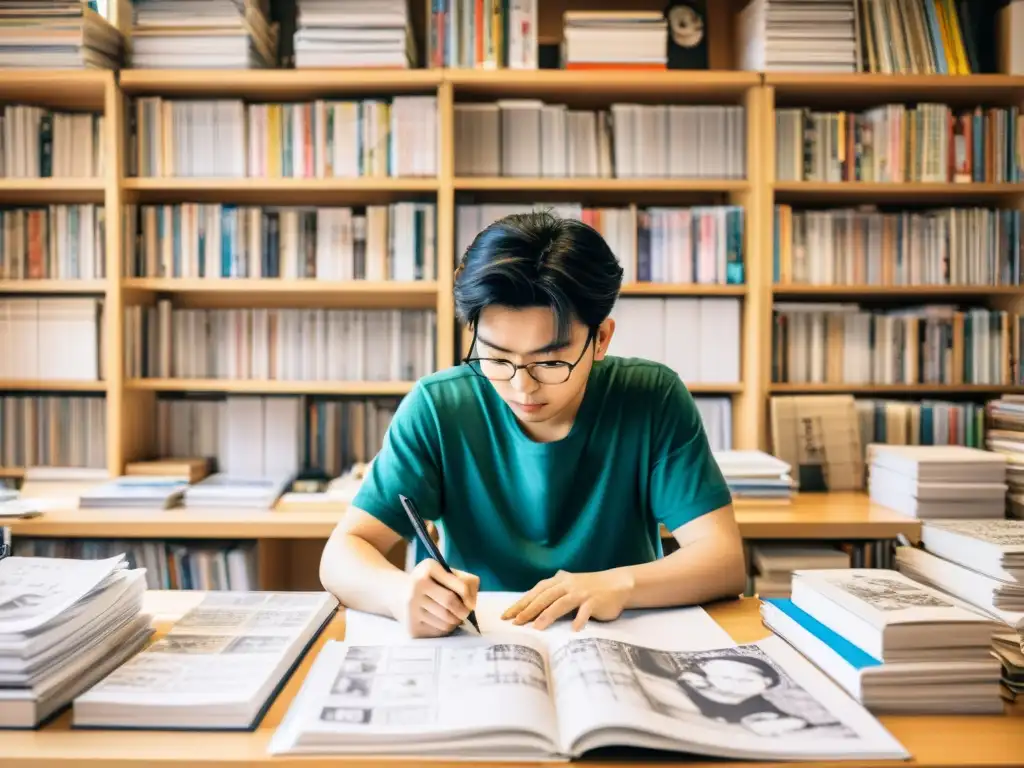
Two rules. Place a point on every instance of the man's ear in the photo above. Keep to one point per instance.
(605, 331)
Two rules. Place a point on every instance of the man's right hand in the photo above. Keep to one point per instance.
(436, 602)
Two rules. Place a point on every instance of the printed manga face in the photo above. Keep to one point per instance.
(729, 679)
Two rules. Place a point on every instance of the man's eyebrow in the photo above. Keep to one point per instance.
(552, 347)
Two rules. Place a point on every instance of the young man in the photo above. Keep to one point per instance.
(547, 463)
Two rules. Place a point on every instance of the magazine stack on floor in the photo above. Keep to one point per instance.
(934, 482)
(980, 562)
(64, 625)
(895, 645)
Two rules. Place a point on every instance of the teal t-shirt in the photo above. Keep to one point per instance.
(514, 511)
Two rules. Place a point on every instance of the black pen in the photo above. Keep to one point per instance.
(432, 550)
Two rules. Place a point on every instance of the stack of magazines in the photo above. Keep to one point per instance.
(57, 34)
(895, 645)
(64, 625)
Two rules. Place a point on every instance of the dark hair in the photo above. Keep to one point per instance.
(539, 260)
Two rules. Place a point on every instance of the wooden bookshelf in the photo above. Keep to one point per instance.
(130, 401)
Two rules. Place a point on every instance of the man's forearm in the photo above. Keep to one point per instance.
(694, 574)
(361, 577)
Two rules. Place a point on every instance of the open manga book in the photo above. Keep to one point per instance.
(556, 695)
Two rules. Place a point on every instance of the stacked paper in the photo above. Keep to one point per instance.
(135, 492)
(222, 490)
(207, 34)
(755, 475)
(938, 481)
(57, 34)
(354, 33)
(894, 644)
(1004, 434)
(613, 39)
(980, 562)
(64, 624)
(806, 35)
(775, 564)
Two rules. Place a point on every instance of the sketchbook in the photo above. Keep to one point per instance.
(514, 695)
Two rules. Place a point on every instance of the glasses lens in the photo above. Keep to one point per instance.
(550, 373)
(494, 369)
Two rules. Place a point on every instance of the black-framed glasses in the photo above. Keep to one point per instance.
(541, 371)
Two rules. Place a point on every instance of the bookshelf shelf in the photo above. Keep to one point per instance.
(682, 289)
(19, 191)
(850, 88)
(279, 84)
(914, 389)
(584, 185)
(78, 89)
(53, 286)
(897, 291)
(700, 388)
(355, 388)
(901, 192)
(300, 191)
(43, 385)
(240, 292)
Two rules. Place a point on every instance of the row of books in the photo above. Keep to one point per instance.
(53, 430)
(32, 328)
(908, 37)
(654, 244)
(56, 242)
(380, 137)
(260, 436)
(279, 344)
(214, 240)
(938, 482)
(866, 246)
(37, 142)
(927, 142)
(207, 566)
(528, 137)
(931, 344)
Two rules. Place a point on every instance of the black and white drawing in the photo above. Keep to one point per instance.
(213, 618)
(190, 644)
(257, 644)
(501, 664)
(885, 593)
(278, 619)
(739, 689)
(226, 598)
(1005, 533)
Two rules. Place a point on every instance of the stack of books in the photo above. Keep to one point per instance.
(938, 481)
(217, 668)
(980, 562)
(203, 34)
(755, 474)
(223, 490)
(805, 36)
(1004, 434)
(354, 33)
(893, 644)
(775, 564)
(135, 492)
(64, 625)
(614, 40)
(57, 34)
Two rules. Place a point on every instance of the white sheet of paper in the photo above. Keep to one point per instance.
(669, 629)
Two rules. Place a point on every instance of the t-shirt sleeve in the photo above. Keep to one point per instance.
(686, 481)
(408, 463)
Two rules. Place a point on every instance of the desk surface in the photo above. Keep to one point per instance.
(808, 516)
(933, 741)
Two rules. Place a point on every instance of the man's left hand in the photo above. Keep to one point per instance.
(602, 595)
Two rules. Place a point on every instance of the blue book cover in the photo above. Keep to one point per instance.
(842, 647)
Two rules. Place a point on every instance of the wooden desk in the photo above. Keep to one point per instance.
(933, 741)
(809, 516)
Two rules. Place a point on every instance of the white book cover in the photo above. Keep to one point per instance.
(991, 547)
(884, 612)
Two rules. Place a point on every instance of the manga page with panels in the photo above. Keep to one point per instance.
(214, 668)
(458, 696)
(743, 701)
